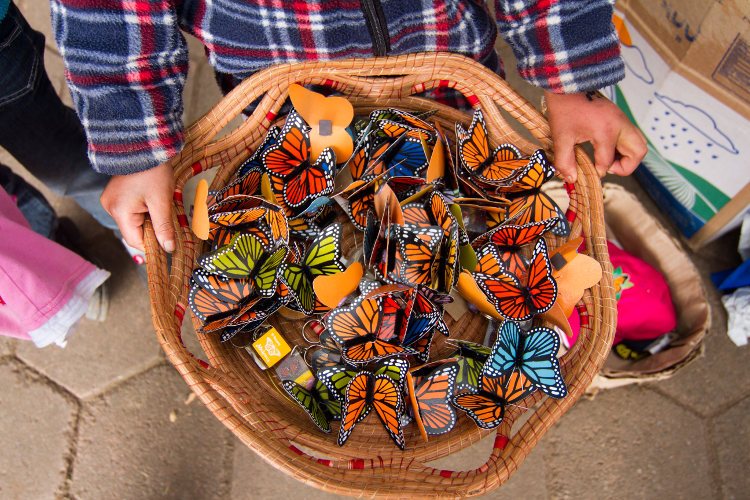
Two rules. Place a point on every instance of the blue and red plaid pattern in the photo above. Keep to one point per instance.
(562, 46)
(127, 60)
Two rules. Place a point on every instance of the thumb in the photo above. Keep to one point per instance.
(160, 210)
(565, 158)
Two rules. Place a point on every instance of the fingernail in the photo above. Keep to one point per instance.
(169, 246)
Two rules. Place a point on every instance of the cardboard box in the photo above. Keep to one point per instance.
(687, 87)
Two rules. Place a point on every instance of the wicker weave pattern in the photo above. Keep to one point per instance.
(244, 399)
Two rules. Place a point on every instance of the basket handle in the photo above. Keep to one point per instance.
(408, 74)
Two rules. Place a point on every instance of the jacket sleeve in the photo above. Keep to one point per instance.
(126, 64)
(563, 46)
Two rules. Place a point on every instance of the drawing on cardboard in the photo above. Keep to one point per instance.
(685, 192)
(700, 121)
(636, 63)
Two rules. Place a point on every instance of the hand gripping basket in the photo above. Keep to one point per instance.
(243, 397)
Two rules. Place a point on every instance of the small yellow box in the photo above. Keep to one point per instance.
(271, 347)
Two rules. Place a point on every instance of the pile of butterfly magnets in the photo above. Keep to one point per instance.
(431, 221)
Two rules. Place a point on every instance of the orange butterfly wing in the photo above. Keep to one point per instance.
(229, 219)
(227, 290)
(541, 285)
(372, 350)
(485, 411)
(355, 406)
(277, 223)
(359, 205)
(416, 254)
(361, 320)
(366, 391)
(312, 182)
(433, 395)
(511, 388)
(515, 301)
(487, 405)
(415, 213)
(509, 240)
(506, 294)
(388, 404)
(205, 304)
(490, 261)
(287, 156)
(528, 203)
(249, 184)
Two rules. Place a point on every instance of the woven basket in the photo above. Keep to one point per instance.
(244, 398)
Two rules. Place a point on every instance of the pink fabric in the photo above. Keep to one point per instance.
(644, 308)
(37, 276)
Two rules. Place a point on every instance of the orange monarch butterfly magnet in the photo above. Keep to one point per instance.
(492, 167)
(528, 202)
(487, 405)
(367, 391)
(519, 302)
(357, 328)
(417, 249)
(509, 239)
(293, 174)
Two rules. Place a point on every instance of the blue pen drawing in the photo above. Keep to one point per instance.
(673, 17)
(700, 121)
(636, 63)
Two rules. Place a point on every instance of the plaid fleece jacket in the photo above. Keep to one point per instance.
(127, 60)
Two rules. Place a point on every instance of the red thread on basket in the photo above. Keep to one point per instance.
(357, 463)
(179, 311)
(584, 315)
(271, 116)
(446, 473)
(473, 100)
(197, 168)
(570, 214)
(177, 196)
(500, 442)
(296, 450)
(322, 461)
(182, 219)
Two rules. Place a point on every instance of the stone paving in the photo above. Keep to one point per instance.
(109, 417)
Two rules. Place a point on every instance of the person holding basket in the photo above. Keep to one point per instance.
(127, 63)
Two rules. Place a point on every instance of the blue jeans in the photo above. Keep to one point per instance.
(43, 134)
(32, 204)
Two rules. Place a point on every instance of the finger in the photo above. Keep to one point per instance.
(131, 227)
(160, 210)
(565, 158)
(632, 146)
(604, 155)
